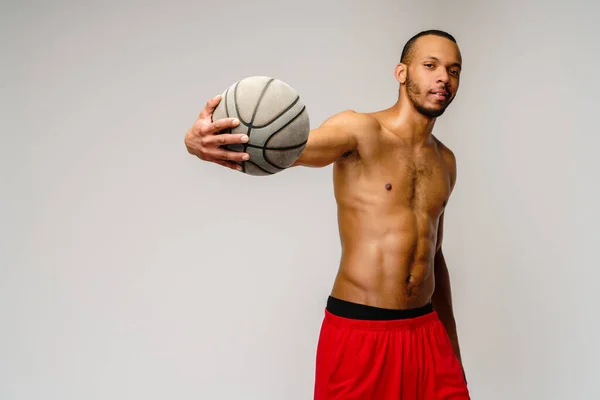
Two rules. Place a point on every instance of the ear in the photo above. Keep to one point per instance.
(400, 73)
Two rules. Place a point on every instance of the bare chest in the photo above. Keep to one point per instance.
(417, 179)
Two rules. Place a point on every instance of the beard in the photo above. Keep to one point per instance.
(413, 91)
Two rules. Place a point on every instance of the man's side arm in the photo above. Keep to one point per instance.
(442, 300)
(442, 295)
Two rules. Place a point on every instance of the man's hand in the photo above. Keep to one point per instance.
(203, 139)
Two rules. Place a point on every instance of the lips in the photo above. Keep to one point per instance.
(440, 94)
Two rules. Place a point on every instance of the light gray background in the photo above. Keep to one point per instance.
(131, 270)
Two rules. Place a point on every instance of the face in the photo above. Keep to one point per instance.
(432, 78)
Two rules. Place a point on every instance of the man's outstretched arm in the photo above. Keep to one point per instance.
(337, 136)
(442, 295)
(326, 144)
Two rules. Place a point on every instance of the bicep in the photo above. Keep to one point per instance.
(330, 141)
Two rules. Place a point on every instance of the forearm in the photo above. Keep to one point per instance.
(442, 301)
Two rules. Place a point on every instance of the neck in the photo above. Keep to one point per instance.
(409, 123)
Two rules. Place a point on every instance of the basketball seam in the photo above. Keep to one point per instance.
(261, 168)
(226, 105)
(254, 146)
(288, 108)
(237, 111)
(266, 158)
(250, 125)
(262, 95)
(227, 109)
(235, 103)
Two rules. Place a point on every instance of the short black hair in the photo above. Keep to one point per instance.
(408, 49)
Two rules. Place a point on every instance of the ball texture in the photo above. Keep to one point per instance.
(273, 116)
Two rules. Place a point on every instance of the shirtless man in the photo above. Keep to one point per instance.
(389, 331)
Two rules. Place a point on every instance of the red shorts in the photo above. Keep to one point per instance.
(409, 359)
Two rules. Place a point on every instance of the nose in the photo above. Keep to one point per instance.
(443, 76)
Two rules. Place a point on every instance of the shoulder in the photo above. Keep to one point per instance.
(359, 128)
(449, 159)
(352, 120)
(356, 128)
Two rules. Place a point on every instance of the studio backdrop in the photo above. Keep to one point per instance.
(132, 270)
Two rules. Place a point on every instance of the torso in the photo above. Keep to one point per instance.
(390, 196)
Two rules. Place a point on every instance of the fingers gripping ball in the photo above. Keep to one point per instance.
(273, 116)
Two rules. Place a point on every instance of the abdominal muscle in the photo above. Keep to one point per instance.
(387, 258)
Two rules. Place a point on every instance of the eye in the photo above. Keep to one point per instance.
(455, 72)
(428, 65)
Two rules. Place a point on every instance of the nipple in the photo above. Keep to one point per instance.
(388, 187)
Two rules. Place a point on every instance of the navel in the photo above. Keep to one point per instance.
(388, 187)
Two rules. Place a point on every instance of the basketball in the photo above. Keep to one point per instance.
(273, 116)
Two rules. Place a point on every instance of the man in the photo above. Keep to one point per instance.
(389, 330)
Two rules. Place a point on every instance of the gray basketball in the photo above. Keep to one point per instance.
(273, 116)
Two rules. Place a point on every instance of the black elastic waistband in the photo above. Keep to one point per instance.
(351, 310)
